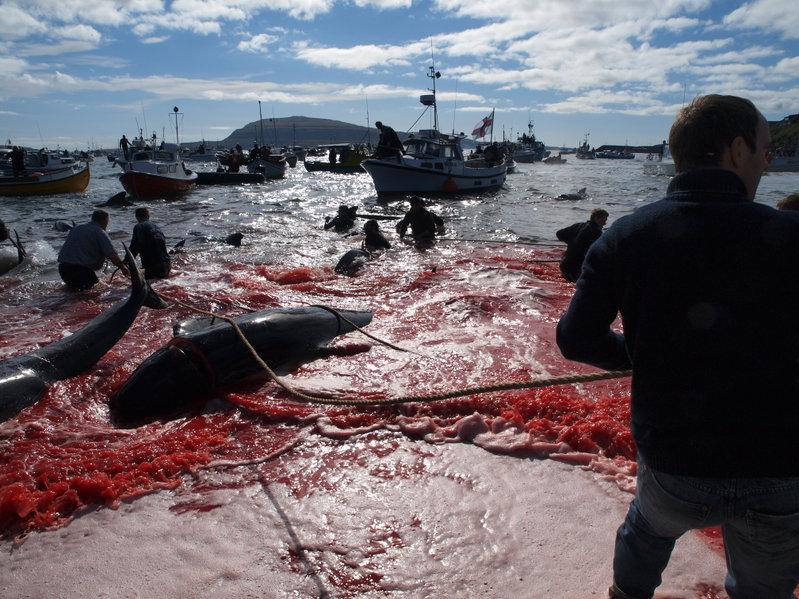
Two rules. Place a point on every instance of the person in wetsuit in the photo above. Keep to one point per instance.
(423, 223)
(344, 219)
(578, 238)
(149, 241)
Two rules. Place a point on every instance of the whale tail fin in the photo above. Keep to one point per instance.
(151, 298)
(21, 253)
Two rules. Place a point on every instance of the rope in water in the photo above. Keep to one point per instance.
(386, 401)
(505, 241)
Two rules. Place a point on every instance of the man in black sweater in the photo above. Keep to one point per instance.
(707, 287)
(149, 241)
(578, 238)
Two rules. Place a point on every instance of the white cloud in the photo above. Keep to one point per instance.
(16, 23)
(154, 40)
(257, 43)
(384, 4)
(56, 49)
(78, 32)
(360, 57)
(780, 16)
(12, 66)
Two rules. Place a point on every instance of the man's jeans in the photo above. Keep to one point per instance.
(759, 519)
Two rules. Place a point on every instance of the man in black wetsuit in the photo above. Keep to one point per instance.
(344, 219)
(149, 241)
(578, 238)
(389, 143)
(124, 144)
(423, 223)
(18, 161)
(374, 240)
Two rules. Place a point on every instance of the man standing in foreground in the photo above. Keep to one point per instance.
(705, 281)
(578, 238)
(85, 250)
(149, 241)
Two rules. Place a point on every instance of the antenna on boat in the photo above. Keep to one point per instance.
(144, 116)
(176, 110)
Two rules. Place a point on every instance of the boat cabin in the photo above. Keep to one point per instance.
(440, 149)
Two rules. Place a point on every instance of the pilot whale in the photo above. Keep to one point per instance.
(24, 379)
(204, 356)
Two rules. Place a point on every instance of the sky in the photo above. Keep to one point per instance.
(80, 73)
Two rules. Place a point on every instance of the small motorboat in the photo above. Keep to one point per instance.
(70, 178)
(348, 160)
(153, 174)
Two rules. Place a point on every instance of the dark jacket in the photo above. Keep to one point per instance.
(707, 287)
(423, 223)
(578, 238)
(375, 241)
(389, 138)
(148, 240)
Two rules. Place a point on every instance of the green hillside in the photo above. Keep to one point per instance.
(785, 133)
(304, 131)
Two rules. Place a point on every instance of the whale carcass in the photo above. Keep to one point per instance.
(204, 356)
(23, 379)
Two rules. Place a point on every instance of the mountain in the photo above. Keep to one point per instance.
(305, 130)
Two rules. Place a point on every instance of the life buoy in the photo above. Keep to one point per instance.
(450, 186)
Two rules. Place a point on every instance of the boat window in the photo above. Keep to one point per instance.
(439, 166)
(141, 156)
(448, 152)
(433, 150)
(427, 165)
(173, 168)
(162, 168)
(163, 157)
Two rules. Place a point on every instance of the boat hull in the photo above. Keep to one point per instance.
(784, 164)
(321, 166)
(392, 178)
(68, 181)
(146, 186)
(270, 169)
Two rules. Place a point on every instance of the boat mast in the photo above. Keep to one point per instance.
(177, 137)
(261, 122)
(368, 132)
(433, 74)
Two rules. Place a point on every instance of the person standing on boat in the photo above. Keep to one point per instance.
(578, 238)
(389, 143)
(149, 241)
(423, 223)
(18, 161)
(124, 144)
(705, 282)
(85, 251)
(255, 153)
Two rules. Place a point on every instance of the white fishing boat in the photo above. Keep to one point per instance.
(431, 162)
(785, 160)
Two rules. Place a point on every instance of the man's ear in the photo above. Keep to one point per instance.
(739, 151)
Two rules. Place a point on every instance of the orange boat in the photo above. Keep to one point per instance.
(70, 179)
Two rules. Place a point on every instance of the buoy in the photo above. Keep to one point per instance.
(450, 186)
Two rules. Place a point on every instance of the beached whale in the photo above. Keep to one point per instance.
(351, 262)
(573, 197)
(23, 379)
(63, 226)
(206, 354)
(116, 201)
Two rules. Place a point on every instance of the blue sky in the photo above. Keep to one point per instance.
(74, 72)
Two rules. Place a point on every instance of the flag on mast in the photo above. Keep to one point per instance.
(485, 126)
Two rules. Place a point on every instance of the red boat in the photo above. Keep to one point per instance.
(152, 174)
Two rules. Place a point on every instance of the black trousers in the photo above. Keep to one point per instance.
(77, 276)
(157, 270)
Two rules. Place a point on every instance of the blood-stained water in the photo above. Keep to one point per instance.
(469, 316)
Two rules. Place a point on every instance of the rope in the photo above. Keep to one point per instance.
(504, 242)
(352, 401)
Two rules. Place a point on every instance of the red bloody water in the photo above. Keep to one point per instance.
(472, 317)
